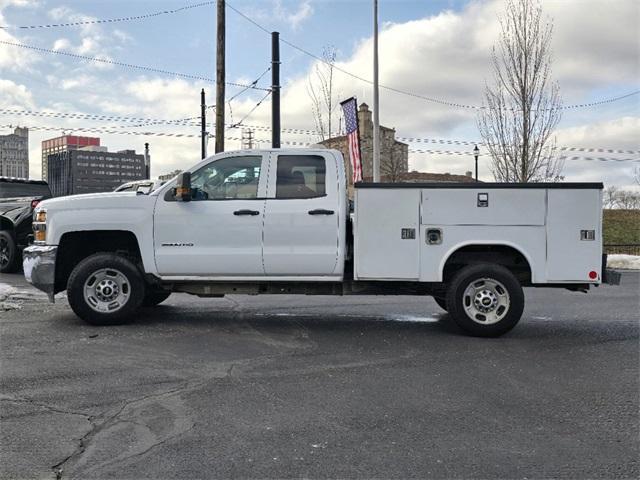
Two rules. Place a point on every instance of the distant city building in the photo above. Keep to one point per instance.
(92, 169)
(168, 176)
(64, 144)
(394, 155)
(14, 154)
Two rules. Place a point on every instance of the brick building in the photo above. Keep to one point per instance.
(394, 155)
(14, 154)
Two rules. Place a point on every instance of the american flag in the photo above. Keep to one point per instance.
(350, 110)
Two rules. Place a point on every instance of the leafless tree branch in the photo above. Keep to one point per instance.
(523, 106)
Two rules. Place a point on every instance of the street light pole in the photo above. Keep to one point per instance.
(476, 152)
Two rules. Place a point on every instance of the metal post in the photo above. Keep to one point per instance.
(147, 162)
(476, 152)
(275, 89)
(203, 125)
(376, 104)
(220, 77)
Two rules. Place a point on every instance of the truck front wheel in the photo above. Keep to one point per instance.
(105, 289)
(485, 300)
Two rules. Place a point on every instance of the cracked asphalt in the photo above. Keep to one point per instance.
(320, 387)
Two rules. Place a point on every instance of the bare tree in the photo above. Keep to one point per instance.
(628, 200)
(636, 175)
(523, 107)
(320, 91)
(393, 165)
(610, 197)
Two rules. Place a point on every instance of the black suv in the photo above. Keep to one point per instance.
(18, 198)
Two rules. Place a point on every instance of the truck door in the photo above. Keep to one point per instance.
(219, 232)
(302, 216)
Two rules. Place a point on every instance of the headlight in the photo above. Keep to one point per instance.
(40, 226)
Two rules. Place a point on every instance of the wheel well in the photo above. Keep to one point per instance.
(504, 255)
(6, 224)
(76, 246)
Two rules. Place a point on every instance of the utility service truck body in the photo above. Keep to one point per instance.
(280, 221)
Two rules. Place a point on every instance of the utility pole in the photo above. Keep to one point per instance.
(203, 124)
(376, 104)
(220, 77)
(275, 90)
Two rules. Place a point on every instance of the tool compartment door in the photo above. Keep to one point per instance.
(574, 235)
(387, 236)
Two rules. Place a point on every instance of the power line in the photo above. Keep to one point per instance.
(125, 65)
(235, 125)
(111, 20)
(441, 141)
(471, 154)
(412, 94)
(106, 130)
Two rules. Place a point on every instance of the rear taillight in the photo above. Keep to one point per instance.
(34, 204)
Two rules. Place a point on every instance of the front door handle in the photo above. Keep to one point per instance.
(321, 211)
(247, 212)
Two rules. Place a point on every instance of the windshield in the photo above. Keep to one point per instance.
(16, 189)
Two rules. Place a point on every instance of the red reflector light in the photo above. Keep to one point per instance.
(34, 203)
(593, 274)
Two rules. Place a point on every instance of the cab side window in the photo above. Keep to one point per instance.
(233, 178)
(300, 176)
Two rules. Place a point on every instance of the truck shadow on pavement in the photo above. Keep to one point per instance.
(531, 327)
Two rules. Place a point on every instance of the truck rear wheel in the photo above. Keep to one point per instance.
(105, 289)
(485, 300)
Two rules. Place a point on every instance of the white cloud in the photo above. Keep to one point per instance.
(291, 15)
(14, 59)
(18, 3)
(297, 17)
(15, 96)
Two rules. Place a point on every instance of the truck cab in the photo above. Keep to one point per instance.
(278, 221)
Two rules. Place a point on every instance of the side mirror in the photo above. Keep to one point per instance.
(183, 187)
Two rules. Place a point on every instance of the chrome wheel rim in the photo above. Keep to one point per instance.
(4, 252)
(486, 301)
(107, 290)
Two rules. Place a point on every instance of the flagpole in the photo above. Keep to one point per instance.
(376, 106)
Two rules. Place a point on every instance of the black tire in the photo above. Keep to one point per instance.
(154, 297)
(88, 270)
(442, 303)
(8, 253)
(489, 281)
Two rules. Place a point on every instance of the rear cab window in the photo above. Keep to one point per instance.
(300, 176)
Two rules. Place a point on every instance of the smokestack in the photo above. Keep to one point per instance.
(147, 161)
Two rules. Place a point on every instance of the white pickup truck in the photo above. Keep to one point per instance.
(280, 222)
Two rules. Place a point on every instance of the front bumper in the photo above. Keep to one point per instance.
(39, 264)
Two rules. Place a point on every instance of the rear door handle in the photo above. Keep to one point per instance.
(246, 212)
(321, 211)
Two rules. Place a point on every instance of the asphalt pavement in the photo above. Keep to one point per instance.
(320, 387)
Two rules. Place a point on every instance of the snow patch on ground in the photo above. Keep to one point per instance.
(629, 262)
(7, 301)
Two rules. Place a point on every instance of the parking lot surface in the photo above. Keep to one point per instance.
(320, 387)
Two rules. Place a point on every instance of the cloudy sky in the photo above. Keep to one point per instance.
(437, 49)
